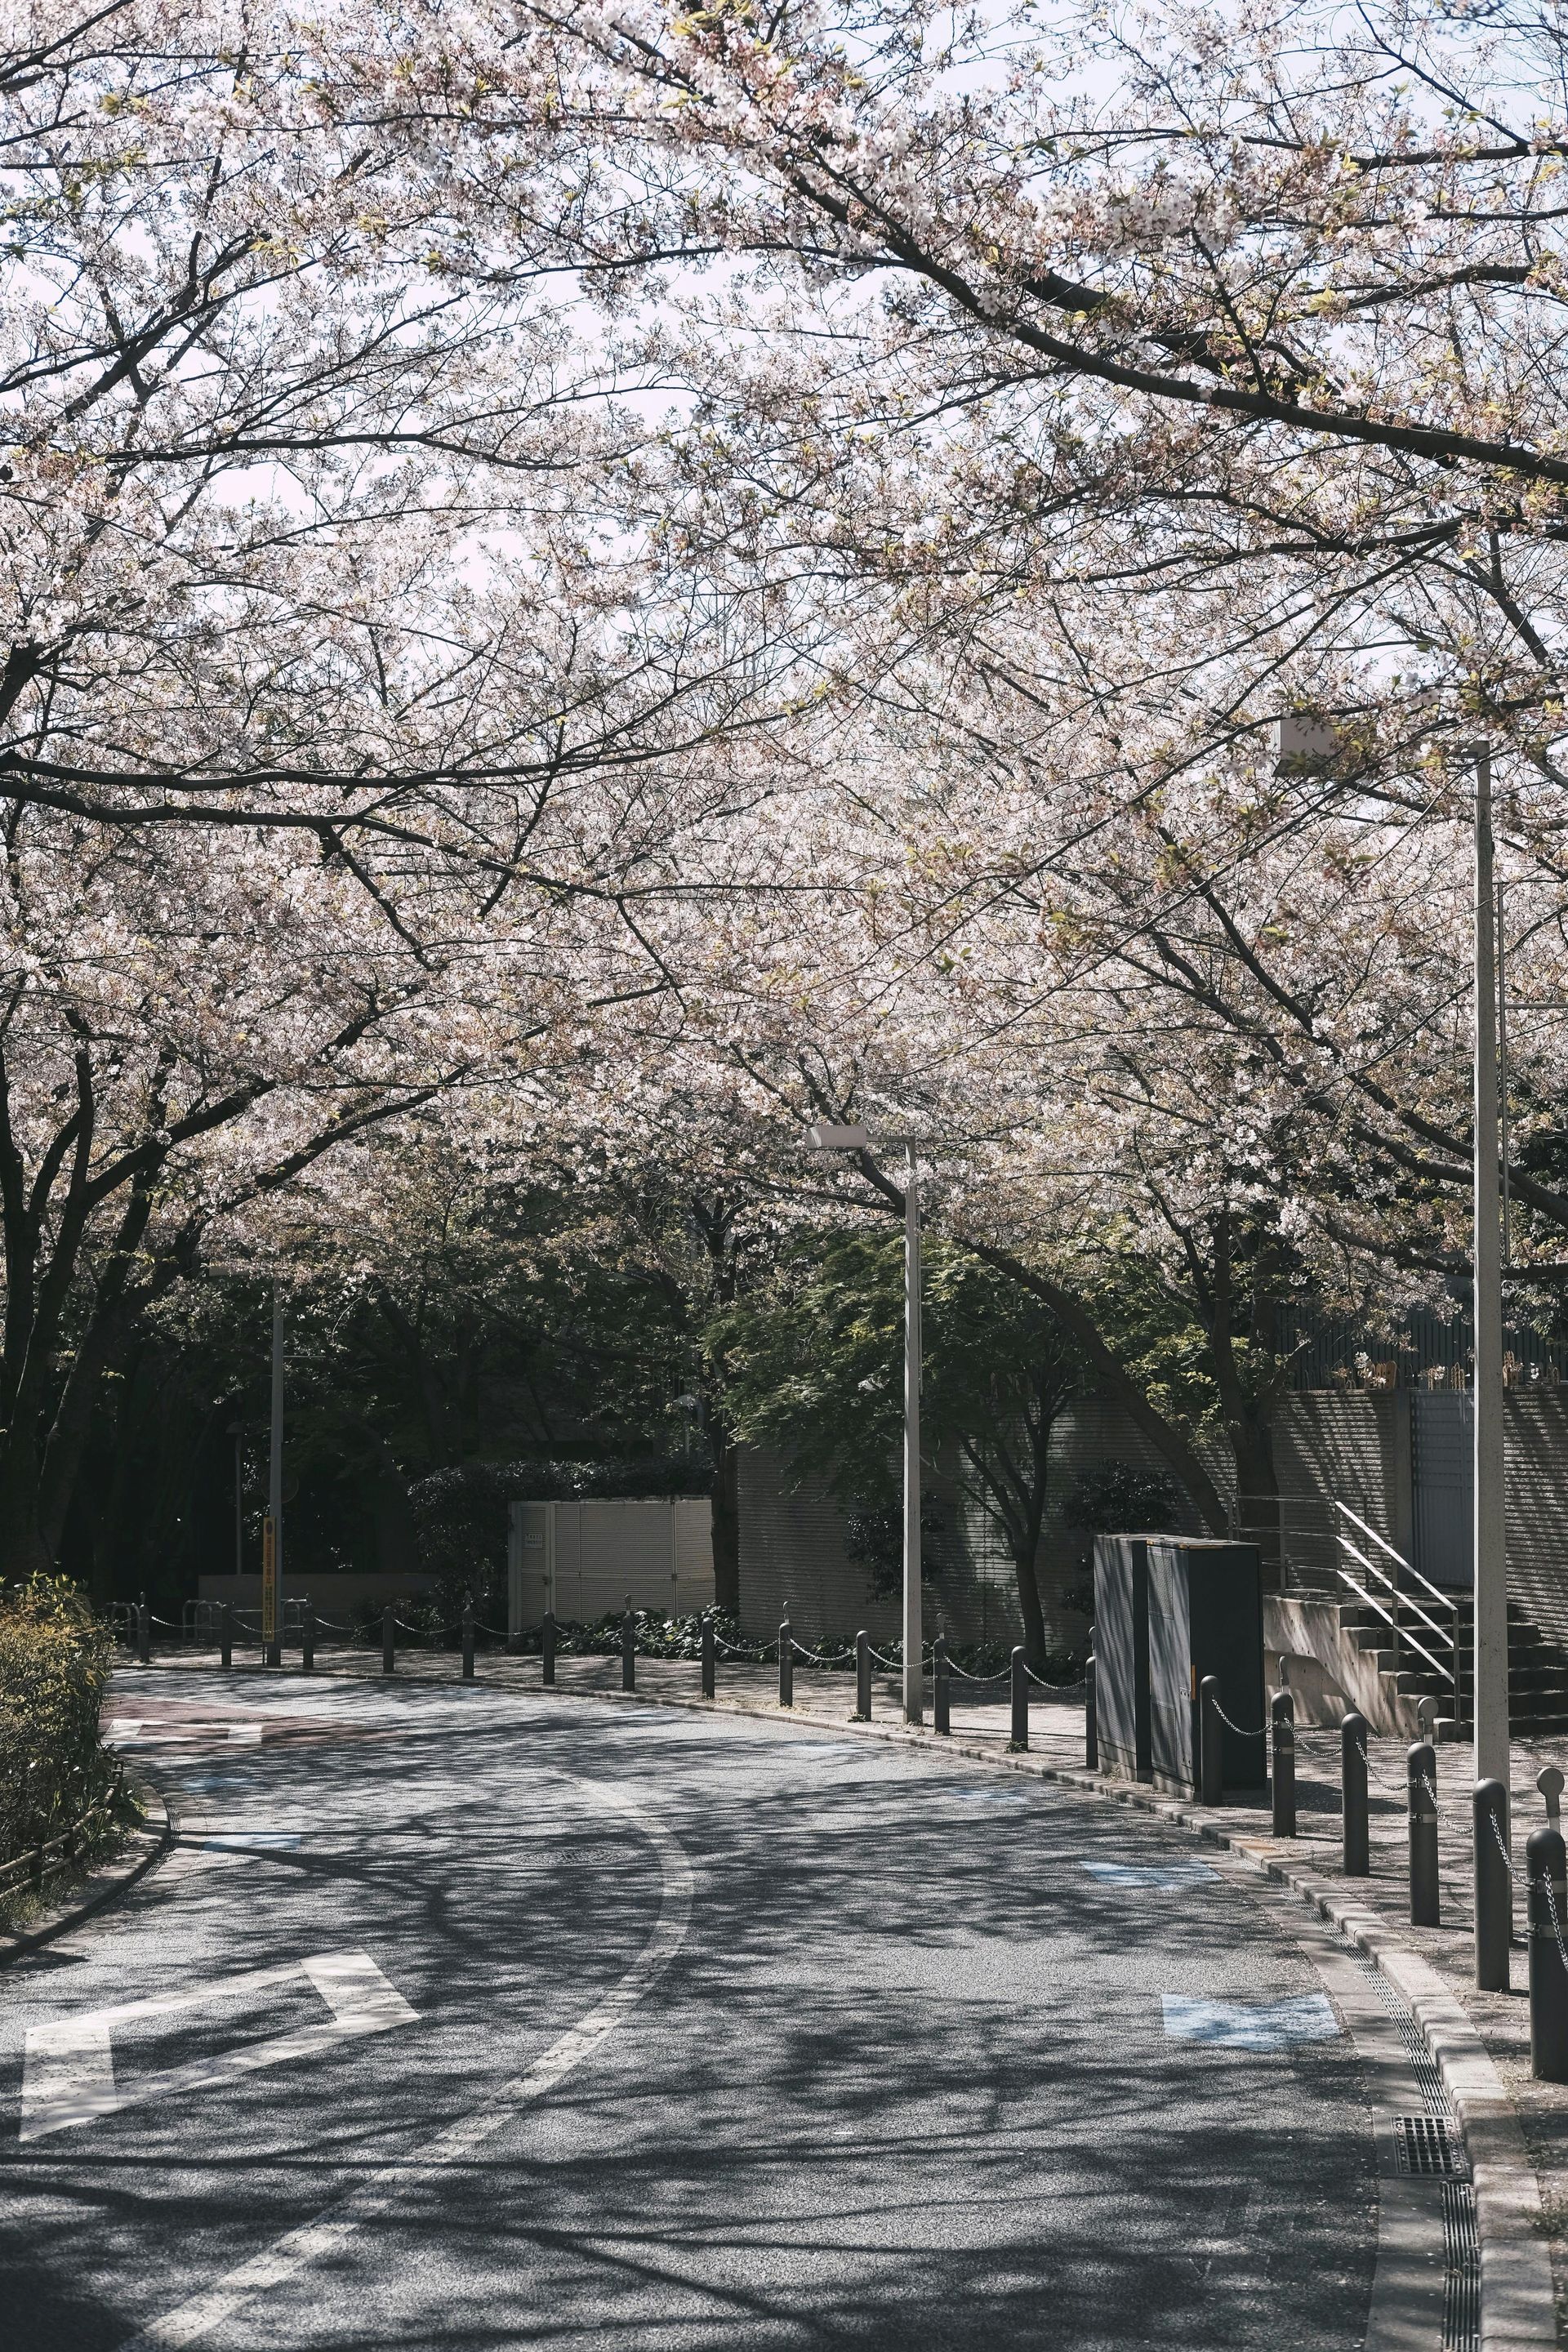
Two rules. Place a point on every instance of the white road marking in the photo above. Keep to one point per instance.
(141, 1735)
(69, 2067)
(189, 2322)
(68, 2076)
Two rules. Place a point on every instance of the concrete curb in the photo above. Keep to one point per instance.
(141, 1849)
(1518, 2305)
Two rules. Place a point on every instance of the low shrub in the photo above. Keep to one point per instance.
(54, 1658)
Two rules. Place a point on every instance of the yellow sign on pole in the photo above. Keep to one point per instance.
(268, 1580)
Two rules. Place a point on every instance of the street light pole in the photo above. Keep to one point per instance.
(914, 1634)
(1490, 1547)
(272, 1535)
(824, 1137)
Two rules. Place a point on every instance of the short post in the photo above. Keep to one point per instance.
(941, 1689)
(1211, 1759)
(1494, 1887)
(1020, 1738)
(143, 1632)
(467, 1637)
(388, 1640)
(707, 1654)
(1545, 1868)
(1352, 1783)
(1282, 1775)
(547, 1649)
(308, 1639)
(226, 1635)
(786, 1666)
(1091, 1718)
(1425, 1899)
(862, 1678)
(630, 1648)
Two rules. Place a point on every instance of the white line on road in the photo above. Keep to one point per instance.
(69, 2066)
(189, 2322)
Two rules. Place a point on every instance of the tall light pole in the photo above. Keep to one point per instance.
(827, 1138)
(1490, 1546)
(272, 1534)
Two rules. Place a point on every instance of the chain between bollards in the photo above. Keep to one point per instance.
(1354, 1732)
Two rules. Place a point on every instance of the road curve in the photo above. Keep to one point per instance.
(456, 2019)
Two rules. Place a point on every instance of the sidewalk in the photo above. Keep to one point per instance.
(1057, 1746)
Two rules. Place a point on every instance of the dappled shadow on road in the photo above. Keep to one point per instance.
(905, 2083)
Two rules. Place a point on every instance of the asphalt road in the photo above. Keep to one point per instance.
(458, 2020)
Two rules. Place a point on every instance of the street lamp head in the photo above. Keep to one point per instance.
(826, 1136)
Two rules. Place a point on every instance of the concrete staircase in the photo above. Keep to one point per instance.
(1537, 1668)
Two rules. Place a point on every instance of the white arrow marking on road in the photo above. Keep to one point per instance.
(190, 2321)
(68, 2067)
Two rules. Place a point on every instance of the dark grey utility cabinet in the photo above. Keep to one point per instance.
(1121, 1654)
(1204, 1617)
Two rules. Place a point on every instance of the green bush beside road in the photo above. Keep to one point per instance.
(54, 1658)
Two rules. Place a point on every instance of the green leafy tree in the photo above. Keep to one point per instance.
(815, 1368)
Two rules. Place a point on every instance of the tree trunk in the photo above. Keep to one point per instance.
(726, 1497)
(1029, 1609)
(23, 1551)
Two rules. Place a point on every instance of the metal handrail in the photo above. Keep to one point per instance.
(1344, 1574)
(1435, 1630)
(1444, 1599)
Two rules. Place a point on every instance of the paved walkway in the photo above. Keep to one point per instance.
(1057, 1742)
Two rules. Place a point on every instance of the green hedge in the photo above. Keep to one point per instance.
(54, 1658)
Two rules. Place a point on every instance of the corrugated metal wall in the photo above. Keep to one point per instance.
(1358, 1448)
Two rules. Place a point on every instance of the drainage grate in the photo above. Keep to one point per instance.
(1462, 2284)
(1438, 2129)
(1428, 2144)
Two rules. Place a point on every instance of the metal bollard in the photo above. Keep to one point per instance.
(1425, 1898)
(1020, 1738)
(1211, 1757)
(1545, 1869)
(388, 1640)
(941, 1692)
(1282, 1775)
(862, 1678)
(547, 1648)
(1352, 1784)
(469, 1638)
(1494, 1887)
(1091, 1718)
(786, 1666)
(226, 1635)
(308, 1640)
(708, 1656)
(143, 1632)
(630, 1648)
